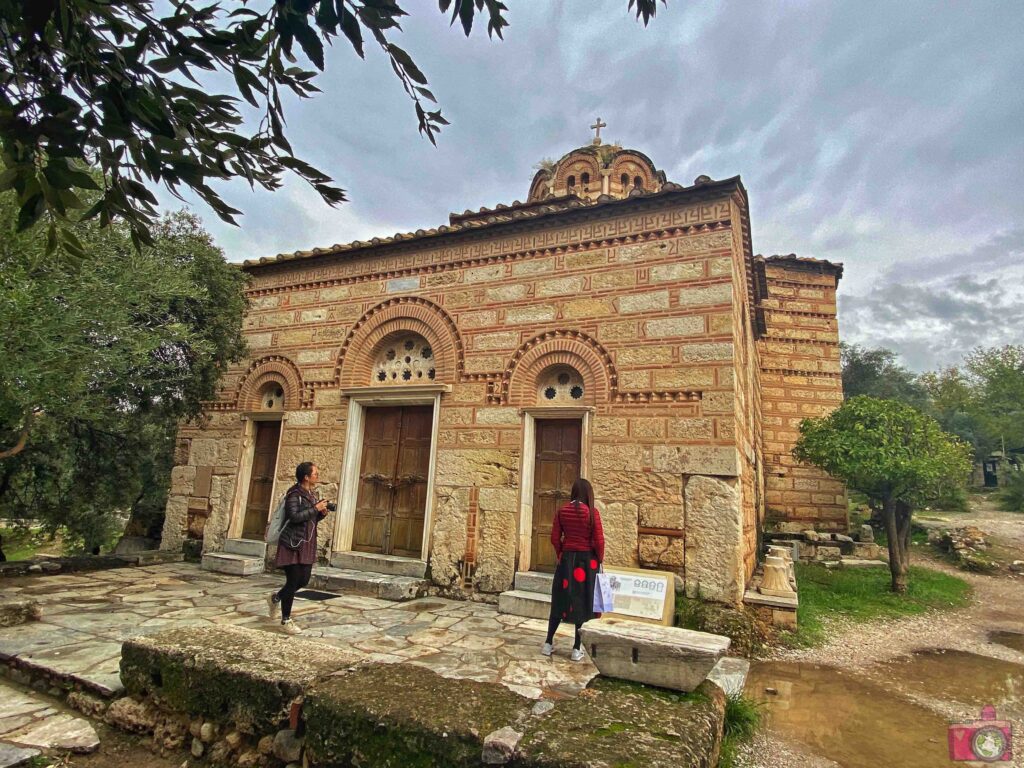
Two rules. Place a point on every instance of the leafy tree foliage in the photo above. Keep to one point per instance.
(997, 395)
(101, 360)
(124, 86)
(877, 373)
(895, 455)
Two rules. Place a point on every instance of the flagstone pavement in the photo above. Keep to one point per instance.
(86, 616)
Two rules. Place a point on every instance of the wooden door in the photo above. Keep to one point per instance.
(556, 467)
(392, 499)
(261, 481)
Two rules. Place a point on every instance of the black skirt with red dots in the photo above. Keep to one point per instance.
(572, 590)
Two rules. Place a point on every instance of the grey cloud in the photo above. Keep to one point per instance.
(882, 135)
(935, 325)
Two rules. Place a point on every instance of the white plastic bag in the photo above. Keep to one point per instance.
(604, 599)
(278, 521)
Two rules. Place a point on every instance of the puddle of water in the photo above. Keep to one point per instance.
(847, 719)
(959, 676)
(1014, 640)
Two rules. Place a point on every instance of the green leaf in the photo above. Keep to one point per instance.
(406, 63)
(311, 44)
(350, 27)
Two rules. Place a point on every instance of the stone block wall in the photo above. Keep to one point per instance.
(643, 303)
(800, 378)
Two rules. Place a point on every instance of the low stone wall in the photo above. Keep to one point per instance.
(46, 566)
(251, 698)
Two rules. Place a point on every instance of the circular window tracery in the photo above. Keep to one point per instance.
(403, 360)
(560, 384)
(271, 397)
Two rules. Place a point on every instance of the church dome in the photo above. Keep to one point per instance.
(595, 170)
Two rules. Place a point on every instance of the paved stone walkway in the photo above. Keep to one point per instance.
(85, 617)
(29, 723)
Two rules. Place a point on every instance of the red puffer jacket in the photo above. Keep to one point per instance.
(577, 528)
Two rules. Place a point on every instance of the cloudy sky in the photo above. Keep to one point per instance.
(885, 135)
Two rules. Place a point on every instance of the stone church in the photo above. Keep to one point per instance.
(451, 383)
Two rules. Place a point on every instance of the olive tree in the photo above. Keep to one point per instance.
(895, 455)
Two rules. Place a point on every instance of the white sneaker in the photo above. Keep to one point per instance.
(273, 606)
(290, 627)
(577, 654)
(547, 649)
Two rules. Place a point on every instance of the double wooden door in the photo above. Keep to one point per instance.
(261, 481)
(392, 498)
(556, 468)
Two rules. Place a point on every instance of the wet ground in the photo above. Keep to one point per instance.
(883, 693)
(896, 713)
(847, 719)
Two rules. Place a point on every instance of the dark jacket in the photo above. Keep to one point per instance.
(297, 544)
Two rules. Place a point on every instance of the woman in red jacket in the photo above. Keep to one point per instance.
(578, 539)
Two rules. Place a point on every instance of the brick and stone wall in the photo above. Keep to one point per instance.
(647, 299)
(800, 378)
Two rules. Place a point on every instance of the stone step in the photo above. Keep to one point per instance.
(668, 657)
(246, 547)
(730, 674)
(368, 584)
(390, 565)
(534, 581)
(518, 602)
(235, 565)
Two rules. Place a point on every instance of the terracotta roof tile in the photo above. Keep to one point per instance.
(485, 217)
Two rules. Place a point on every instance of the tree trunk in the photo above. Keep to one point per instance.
(896, 516)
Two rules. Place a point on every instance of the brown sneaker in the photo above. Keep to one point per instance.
(290, 627)
(273, 606)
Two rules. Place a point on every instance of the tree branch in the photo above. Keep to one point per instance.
(19, 446)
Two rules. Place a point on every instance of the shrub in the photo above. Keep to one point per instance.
(1011, 496)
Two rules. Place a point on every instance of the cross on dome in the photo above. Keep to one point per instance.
(597, 127)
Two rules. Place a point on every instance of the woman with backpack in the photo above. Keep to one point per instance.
(296, 546)
(578, 539)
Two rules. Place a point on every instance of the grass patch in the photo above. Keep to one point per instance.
(918, 535)
(863, 594)
(21, 543)
(742, 719)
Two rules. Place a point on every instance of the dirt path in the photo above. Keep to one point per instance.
(868, 650)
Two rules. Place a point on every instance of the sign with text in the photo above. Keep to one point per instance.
(642, 595)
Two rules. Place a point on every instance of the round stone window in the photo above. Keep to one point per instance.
(404, 360)
(560, 385)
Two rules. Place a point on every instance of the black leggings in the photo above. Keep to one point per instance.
(296, 577)
(553, 623)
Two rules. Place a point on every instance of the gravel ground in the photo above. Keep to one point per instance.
(997, 604)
